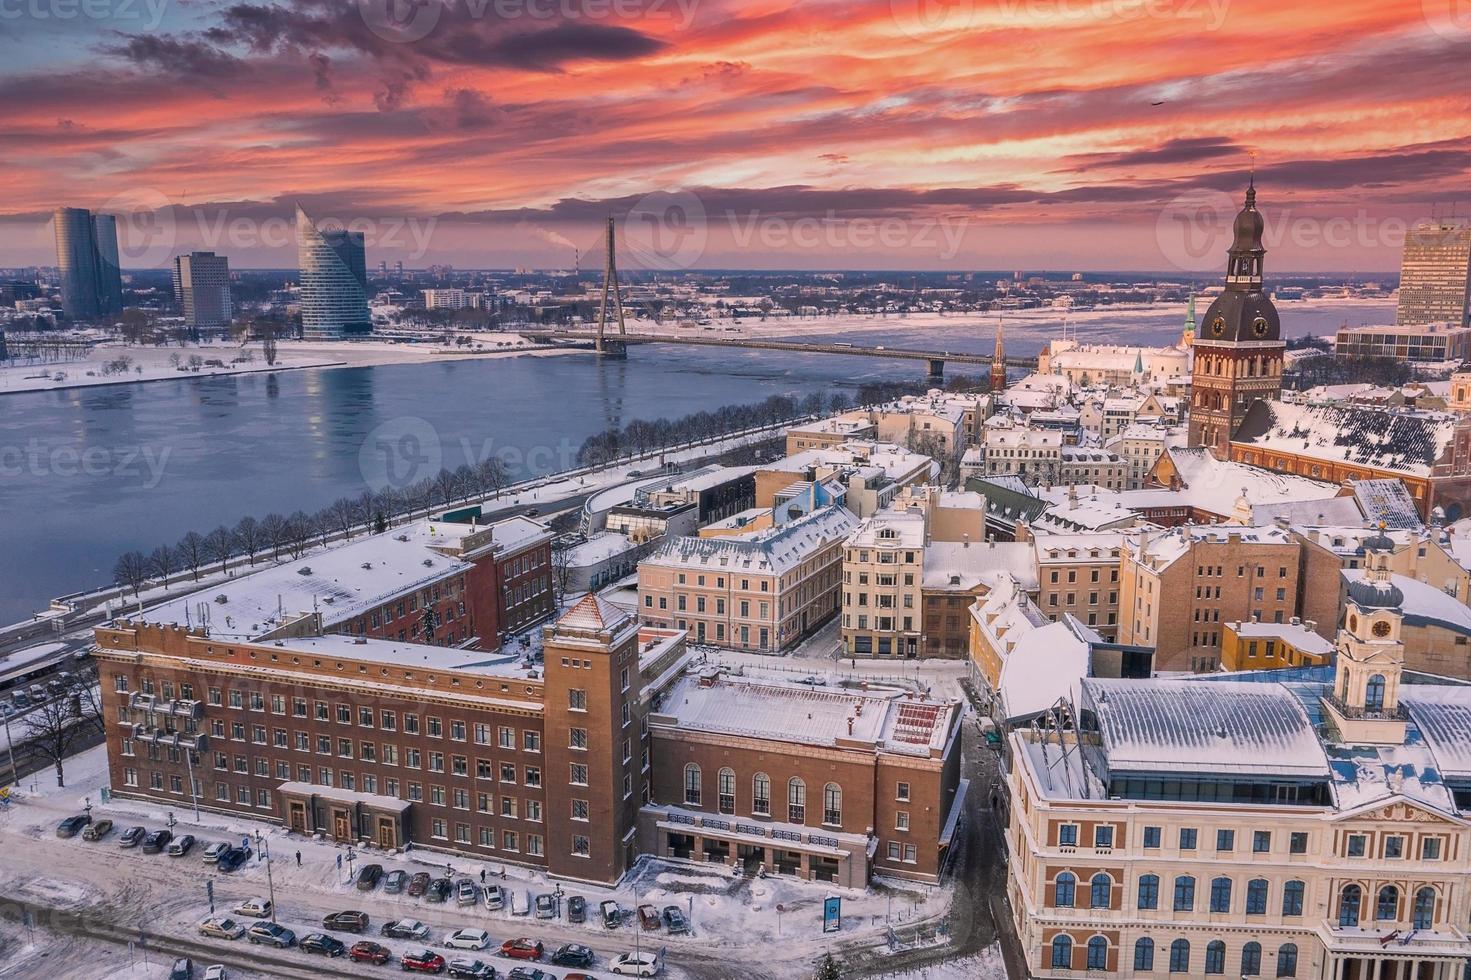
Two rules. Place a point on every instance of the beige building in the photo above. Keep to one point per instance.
(763, 591)
(883, 575)
(1079, 574)
(1435, 275)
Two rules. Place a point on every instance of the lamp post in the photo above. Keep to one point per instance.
(10, 748)
(193, 787)
(265, 846)
(351, 856)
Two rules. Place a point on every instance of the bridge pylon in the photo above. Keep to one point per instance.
(612, 348)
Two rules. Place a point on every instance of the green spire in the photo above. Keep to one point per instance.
(1139, 362)
(1190, 317)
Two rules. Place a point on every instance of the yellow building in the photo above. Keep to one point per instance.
(1268, 646)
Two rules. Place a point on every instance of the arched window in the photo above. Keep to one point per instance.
(1098, 953)
(1287, 960)
(1256, 896)
(1184, 893)
(1387, 908)
(1251, 960)
(1180, 956)
(1062, 953)
(1292, 893)
(761, 795)
(796, 800)
(1215, 957)
(1100, 889)
(1374, 693)
(1220, 894)
(1144, 955)
(1349, 901)
(832, 804)
(1063, 893)
(1424, 908)
(692, 784)
(727, 791)
(1148, 892)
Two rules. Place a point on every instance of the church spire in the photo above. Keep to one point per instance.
(998, 360)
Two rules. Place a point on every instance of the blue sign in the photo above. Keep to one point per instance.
(832, 914)
(339, 861)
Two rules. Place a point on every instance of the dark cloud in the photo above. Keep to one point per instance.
(1187, 150)
(173, 56)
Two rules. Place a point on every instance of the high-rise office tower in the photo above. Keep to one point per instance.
(87, 258)
(202, 283)
(334, 281)
(1435, 275)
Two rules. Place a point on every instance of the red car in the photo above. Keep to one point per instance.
(370, 952)
(422, 961)
(521, 949)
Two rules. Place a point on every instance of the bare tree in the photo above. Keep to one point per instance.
(249, 537)
(219, 544)
(342, 515)
(191, 552)
(299, 532)
(53, 728)
(273, 532)
(86, 683)
(163, 562)
(562, 548)
(131, 570)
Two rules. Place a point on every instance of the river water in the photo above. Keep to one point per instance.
(89, 473)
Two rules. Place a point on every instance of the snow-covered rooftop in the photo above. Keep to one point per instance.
(1296, 634)
(774, 550)
(1396, 440)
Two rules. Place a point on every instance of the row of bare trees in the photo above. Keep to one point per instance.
(278, 536)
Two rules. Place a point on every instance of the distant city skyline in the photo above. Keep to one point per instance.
(981, 135)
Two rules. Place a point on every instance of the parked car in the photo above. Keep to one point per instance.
(522, 949)
(72, 826)
(573, 954)
(368, 951)
(157, 841)
(439, 890)
(495, 898)
(97, 830)
(272, 934)
(255, 908)
(528, 973)
(215, 851)
(675, 920)
(368, 877)
(471, 969)
(181, 846)
(636, 965)
(394, 881)
(576, 909)
(132, 837)
(648, 917)
(422, 961)
(232, 859)
(476, 939)
(465, 892)
(611, 913)
(215, 971)
(405, 929)
(353, 921)
(419, 883)
(546, 906)
(320, 942)
(183, 969)
(221, 927)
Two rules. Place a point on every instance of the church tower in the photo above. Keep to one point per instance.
(998, 362)
(1364, 705)
(1238, 346)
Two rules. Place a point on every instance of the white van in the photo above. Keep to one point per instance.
(256, 908)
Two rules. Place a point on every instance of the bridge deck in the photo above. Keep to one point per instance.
(758, 343)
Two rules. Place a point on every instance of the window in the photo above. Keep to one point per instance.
(1297, 843)
(726, 791)
(1394, 847)
(1187, 838)
(796, 800)
(1062, 953)
(901, 792)
(1251, 960)
(581, 846)
(1103, 836)
(1261, 842)
(1292, 893)
(692, 784)
(1144, 955)
(1424, 908)
(1356, 845)
(1215, 957)
(1184, 893)
(1067, 835)
(1225, 840)
(1148, 892)
(579, 809)
(577, 700)
(761, 795)
(1256, 896)
(578, 775)
(1098, 953)
(1220, 894)
(1287, 960)
(1386, 909)
(1065, 890)
(1151, 839)
(1374, 694)
(1430, 849)
(1180, 956)
(832, 805)
(577, 738)
(1099, 891)
(1349, 901)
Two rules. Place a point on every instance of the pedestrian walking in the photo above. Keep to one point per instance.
(298, 859)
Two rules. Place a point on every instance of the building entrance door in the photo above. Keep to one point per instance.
(341, 828)
(297, 817)
(387, 835)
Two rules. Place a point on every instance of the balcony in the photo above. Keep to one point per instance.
(1362, 714)
(159, 736)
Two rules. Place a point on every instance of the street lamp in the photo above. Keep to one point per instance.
(10, 747)
(351, 856)
(87, 809)
(265, 846)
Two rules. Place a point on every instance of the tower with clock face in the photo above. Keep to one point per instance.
(1364, 705)
(1238, 343)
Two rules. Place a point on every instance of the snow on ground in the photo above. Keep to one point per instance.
(153, 364)
(985, 965)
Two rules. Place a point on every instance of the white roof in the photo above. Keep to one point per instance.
(1297, 634)
(890, 527)
(1047, 663)
(977, 563)
(773, 550)
(1215, 485)
(1395, 440)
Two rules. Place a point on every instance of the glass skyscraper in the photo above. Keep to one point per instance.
(202, 286)
(334, 281)
(87, 258)
(1435, 276)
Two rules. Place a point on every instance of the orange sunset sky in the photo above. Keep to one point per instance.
(1029, 134)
